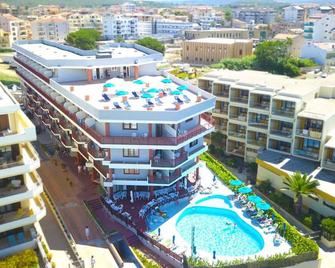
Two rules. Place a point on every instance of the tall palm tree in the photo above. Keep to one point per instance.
(301, 185)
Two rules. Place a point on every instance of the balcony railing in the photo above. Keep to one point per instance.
(243, 100)
(157, 162)
(258, 124)
(239, 117)
(307, 153)
(315, 134)
(237, 134)
(283, 112)
(206, 124)
(260, 105)
(281, 132)
(38, 74)
(164, 179)
(237, 151)
(257, 142)
(329, 163)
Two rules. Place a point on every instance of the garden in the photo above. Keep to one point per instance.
(25, 259)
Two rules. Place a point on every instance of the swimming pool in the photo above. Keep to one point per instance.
(217, 198)
(215, 231)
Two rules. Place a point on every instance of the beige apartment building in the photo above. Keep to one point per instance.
(233, 33)
(207, 51)
(21, 207)
(297, 40)
(283, 124)
(18, 29)
(50, 28)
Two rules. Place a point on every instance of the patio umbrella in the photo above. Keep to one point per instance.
(146, 96)
(263, 206)
(152, 90)
(166, 81)
(183, 87)
(121, 93)
(131, 197)
(108, 85)
(235, 182)
(245, 190)
(138, 82)
(255, 199)
(176, 92)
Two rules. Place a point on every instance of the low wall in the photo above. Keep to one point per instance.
(327, 243)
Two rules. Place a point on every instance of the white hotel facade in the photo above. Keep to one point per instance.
(126, 142)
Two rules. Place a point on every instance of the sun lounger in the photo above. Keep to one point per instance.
(20, 237)
(116, 105)
(11, 240)
(179, 100)
(164, 92)
(150, 103)
(158, 101)
(127, 105)
(135, 94)
(105, 96)
(186, 99)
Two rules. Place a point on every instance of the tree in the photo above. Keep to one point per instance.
(152, 43)
(228, 16)
(84, 39)
(301, 185)
(119, 39)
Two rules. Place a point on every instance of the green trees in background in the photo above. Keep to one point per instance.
(152, 43)
(119, 39)
(271, 56)
(84, 39)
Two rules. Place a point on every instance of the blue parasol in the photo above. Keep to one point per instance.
(152, 90)
(146, 96)
(138, 82)
(263, 206)
(166, 81)
(255, 199)
(121, 93)
(183, 87)
(176, 92)
(235, 182)
(245, 190)
(109, 85)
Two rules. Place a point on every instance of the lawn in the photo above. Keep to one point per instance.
(8, 75)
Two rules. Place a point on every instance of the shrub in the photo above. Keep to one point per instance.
(265, 186)
(308, 221)
(147, 263)
(25, 259)
(328, 228)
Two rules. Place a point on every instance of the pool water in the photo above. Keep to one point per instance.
(213, 231)
(216, 199)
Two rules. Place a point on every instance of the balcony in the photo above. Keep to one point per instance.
(329, 163)
(38, 74)
(237, 134)
(24, 131)
(307, 153)
(160, 178)
(283, 108)
(23, 216)
(258, 123)
(260, 102)
(309, 133)
(240, 99)
(204, 128)
(242, 117)
(165, 162)
(83, 151)
(282, 132)
(257, 142)
(281, 146)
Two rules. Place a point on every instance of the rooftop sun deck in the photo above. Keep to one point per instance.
(53, 53)
(143, 94)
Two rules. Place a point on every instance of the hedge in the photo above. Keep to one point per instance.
(302, 248)
(328, 228)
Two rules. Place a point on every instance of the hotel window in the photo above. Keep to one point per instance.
(129, 126)
(193, 143)
(131, 171)
(131, 152)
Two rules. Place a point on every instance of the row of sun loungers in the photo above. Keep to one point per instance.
(164, 191)
(113, 206)
(119, 196)
(141, 195)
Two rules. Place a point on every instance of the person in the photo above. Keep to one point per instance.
(79, 169)
(87, 233)
(92, 261)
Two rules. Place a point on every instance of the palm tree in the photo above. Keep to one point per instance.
(301, 185)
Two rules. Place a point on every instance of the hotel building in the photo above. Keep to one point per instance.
(128, 141)
(21, 207)
(283, 124)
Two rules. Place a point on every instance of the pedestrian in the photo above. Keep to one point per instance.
(79, 169)
(87, 233)
(92, 261)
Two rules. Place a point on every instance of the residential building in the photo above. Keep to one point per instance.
(88, 21)
(321, 53)
(20, 186)
(233, 33)
(144, 28)
(320, 28)
(18, 29)
(294, 14)
(283, 124)
(260, 32)
(128, 7)
(172, 28)
(4, 38)
(116, 25)
(98, 106)
(297, 42)
(4, 8)
(256, 15)
(50, 28)
(207, 51)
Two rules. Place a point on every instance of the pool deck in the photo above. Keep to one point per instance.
(168, 228)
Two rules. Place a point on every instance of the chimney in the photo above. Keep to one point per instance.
(199, 97)
(71, 88)
(124, 98)
(106, 107)
(177, 106)
(87, 97)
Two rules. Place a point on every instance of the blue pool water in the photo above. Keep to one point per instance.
(212, 231)
(216, 197)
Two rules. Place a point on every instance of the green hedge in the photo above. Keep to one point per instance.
(328, 228)
(302, 248)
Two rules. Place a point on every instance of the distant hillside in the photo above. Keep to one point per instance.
(63, 2)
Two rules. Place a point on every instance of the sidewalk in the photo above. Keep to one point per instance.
(67, 190)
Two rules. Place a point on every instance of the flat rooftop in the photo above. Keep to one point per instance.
(7, 102)
(219, 41)
(220, 30)
(312, 109)
(148, 90)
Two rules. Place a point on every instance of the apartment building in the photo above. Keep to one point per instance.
(21, 207)
(50, 28)
(320, 28)
(85, 20)
(255, 15)
(173, 28)
(18, 29)
(116, 25)
(4, 38)
(294, 14)
(322, 53)
(283, 124)
(134, 127)
(207, 51)
(233, 33)
(297, 42)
